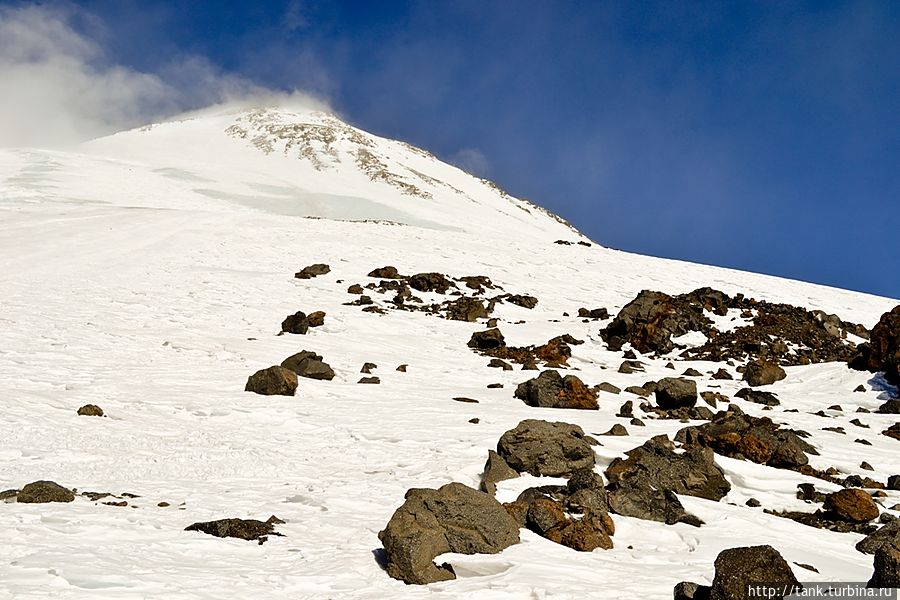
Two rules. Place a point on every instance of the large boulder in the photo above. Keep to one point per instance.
(274, 381)
(636, 498)
(887, 568)
(308, 364)
(487, 340)
(650, 321)
(466, 308)
(676, 392)
(542, 448)
(657, 465)
(763, 372)
(296, 323)
(736, 568)
(453, 518)
(39, 492)
(388, 272)
(884, 346)
(889, 534)
(851, 504)
(551, 390)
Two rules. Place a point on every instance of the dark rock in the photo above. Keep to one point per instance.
(430, 282)
(494, 386)
(635, 498)
(467, 309)
(722, 374)
(853, 505)
(889, 534)
(542, 448)
(308, 364)
(637, 422)
(884, 346)
(617, 430)
(465, 400)
(385, 273)
(650, 321)
(893, 482)
(736, 568)
(891, 407)
(495, 469)
(866, 466)
(245, 529)
(631, 366)
(692, 373)
(454, 518)
(487, 340)
(893, 432)
(763, 372)
(887, 567)
(367, 368)
(626, 410)
(595, 313)
(355, 289)
(402, 368)
(316, 319)
(274, 381)
(40, 492)
(312, 271)
(90, 410)
(655, 463)
(551, 390)
(758, 397)
(500, 364)
(373, 380)
(521, 300)
(691, 591)
(753, 503)
(860, 388)
(296, 323)
(676, 392)
(637, 390)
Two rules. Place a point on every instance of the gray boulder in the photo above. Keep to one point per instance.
(676, 392)
(887, 568)
(542, 448)
(738, 567)
(308, 364)
(453, 518)
(274, 381)
(763, 372)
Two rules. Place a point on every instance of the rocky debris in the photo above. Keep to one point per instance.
(722, 375)
(616, 430)
(495, 469)
(274, 381)
(355, 289)
(244, 529)
(308, 364)
(656, 464)
(676, 392)
(361, 301)
(90, 410)
(593, 313)
(316, 318)
(713, 398)
(551, 390)
(477, 282)
(312, 271)
(737, 435)
(631, 366)
(887, 568)
(608, 388)
(852, 505)
(883, 350)
(487, 340)
(453, 518)
(638, 391)
(650, 321)
(370, 380)
(692, 373)
(519, 300)
(296, 323)
(40, 492)
(543, 448)
(889, 534)
(758, 397)
(466, 308)
(430, 282)
(367, 368)
(563, 242)
(736, 568)
(893, 431)
(763, 372)
(385, 273)
(500, 364)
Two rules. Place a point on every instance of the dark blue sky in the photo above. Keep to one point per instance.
(757, 135)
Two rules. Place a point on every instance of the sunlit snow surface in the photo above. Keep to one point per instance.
(149, 272)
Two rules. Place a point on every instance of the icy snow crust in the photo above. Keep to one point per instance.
(149, 273)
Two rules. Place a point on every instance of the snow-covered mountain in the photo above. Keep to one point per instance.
(149, 272)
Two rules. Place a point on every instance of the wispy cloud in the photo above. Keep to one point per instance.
(473, 161)
(61, 87)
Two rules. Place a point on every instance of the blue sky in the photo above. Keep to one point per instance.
(758, 135)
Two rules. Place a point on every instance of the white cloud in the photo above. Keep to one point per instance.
(59, 87)
(472, 160)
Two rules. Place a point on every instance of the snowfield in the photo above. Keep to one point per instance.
(149, 272)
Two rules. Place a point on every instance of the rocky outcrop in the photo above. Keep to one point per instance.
(244, 529)
(887, 568)
(430, 282)
(542, 448)
(466, 308)
(551, 390)
(655, 464)
(453, 518)
(40, 492)
(652, 319)
(274, 381)
(884, 346)
(889, 534)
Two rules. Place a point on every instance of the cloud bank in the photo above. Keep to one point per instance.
(60, 87)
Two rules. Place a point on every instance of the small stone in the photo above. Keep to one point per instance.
(90, 410)
(372, 380)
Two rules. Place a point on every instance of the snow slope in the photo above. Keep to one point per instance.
(148, 273)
